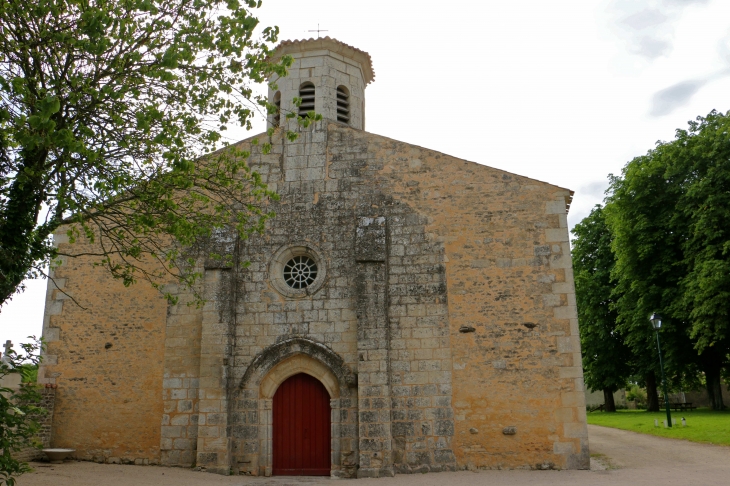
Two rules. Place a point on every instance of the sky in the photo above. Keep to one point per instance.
(566, 91)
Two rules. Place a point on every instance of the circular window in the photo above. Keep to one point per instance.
(300, 272)
(297, 270)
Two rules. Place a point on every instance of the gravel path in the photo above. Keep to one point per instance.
(623, 458)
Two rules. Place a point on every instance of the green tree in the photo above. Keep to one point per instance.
(106, 107)
(606, 358)
(668, 216)
(700, 159)
(29, 372)
(647, 252)
(17, 409)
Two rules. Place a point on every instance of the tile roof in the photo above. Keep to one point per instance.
(327, 43)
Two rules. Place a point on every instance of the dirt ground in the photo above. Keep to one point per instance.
(619, 458)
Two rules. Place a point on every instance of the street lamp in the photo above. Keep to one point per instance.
(656, 323)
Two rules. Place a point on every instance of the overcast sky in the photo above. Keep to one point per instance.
(561, 91)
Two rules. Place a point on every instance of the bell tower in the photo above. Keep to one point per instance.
(329, 76)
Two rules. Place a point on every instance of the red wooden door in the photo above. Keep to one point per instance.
(301, 428)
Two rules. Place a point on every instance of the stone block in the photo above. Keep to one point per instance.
(575, 430)
(185, 406)
(560, 261)
(183, 444)
(51, 334)
(551, 300)
(209, 405)
(572, 399)
(169, 431)
(564, 448)
(207, 458)
(183, 419)
(565, 414)
(556, 235)
(570, 344)
(555, 207)
(570, 372)
(209, 431)
(565, 312)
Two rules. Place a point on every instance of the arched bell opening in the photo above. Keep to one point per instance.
(343, 104)
(306, 94)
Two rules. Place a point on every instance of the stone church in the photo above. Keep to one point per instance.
(405, 312)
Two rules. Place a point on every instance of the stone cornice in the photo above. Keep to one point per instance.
(329, 44)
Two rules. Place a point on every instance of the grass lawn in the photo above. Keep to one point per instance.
(703, 425)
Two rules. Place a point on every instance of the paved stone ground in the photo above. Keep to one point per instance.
(622, 458)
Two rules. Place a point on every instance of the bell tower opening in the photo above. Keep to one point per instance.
(277, 103)
(306, 93)
(328, 76)
(343, 105)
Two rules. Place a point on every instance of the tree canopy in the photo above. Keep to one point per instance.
(607, 360)
(668, 219)
(106, 107)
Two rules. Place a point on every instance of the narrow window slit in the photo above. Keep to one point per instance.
(277, 115)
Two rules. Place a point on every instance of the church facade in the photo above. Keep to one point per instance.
(405, 311)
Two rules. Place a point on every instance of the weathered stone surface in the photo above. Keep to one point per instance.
(44, 420)
(417, 248)
(370, 239)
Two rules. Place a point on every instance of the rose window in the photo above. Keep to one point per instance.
(300, 272)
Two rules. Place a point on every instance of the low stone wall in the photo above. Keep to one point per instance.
(595, 398)
(30, 453)
(699, 398)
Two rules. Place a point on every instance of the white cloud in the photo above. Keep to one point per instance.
(669, 99)
(647, 27)
(645, 19)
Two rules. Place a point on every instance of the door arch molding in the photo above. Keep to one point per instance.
(278, 353)
(255, 394)
(299, 363)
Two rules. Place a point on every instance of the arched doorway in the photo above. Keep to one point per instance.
(301, 428)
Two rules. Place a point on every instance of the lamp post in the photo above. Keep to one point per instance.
(656, 323)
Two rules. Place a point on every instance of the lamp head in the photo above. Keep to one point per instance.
(656, 321)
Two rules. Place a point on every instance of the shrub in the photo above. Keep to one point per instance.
(17, 428)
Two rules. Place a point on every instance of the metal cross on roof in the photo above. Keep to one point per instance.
(318, 31)
(8, 346)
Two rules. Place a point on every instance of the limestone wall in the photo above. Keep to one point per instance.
(375, 284)
(468, 357)
(509, 277)
(443, 322)
(32, 453)
(105, 353)
(595, 397)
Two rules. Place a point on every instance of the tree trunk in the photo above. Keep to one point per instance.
(652, 398)
(610, 404)
(21, 245)
(712, 366)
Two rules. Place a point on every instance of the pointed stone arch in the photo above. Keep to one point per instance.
(299, 363)
(252, 422)
(313, 358)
